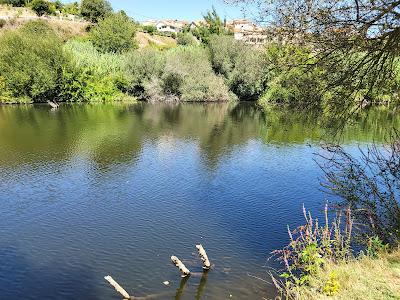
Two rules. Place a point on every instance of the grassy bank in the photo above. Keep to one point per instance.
(365, 278)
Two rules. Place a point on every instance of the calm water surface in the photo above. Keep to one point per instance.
(88, 191)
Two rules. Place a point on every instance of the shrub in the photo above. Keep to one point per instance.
(244, 67)
(5, 94)
(115, 34)
(92, 76)
(182, 73)
(95, 10)
(17, 3)
(185, 39)
(41, 7)
(31, 62)
(151, 29)
(142, 67)
(2, 23)
(188, 75)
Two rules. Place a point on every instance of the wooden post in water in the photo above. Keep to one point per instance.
(53, 105)
(117, 287)
(204, 257)
(185, 271)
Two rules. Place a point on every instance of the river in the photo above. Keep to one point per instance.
(93, 190)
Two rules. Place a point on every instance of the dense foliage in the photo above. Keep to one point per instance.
(182, 73)
(41, 7)
(92, 76)
(212, 25)
(31, 63)
(95, 10)
(244, 67)
(115, 34)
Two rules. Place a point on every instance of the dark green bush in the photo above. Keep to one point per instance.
(31, 62)
(41, 7)
(115, 34)
(17, 3)
(2, 23)
(95, 10)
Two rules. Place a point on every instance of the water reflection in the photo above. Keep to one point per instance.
(116, 134)
(98, 190)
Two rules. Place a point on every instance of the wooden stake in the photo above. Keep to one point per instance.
(117, 287)
(204, 257)
(185, 271)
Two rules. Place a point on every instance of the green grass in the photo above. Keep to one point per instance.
(364, 278)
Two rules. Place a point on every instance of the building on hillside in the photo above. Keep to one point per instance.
(167, 26)
(248, 32)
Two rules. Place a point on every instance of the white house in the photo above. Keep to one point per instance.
(247, 31)
(170, 26)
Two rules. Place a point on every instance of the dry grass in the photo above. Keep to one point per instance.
(364, 279)
(17, 16)
(147, 40)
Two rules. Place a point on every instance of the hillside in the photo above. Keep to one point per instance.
(66, 27)
(145, 39)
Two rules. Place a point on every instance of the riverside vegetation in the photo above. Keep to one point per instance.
(38, 64)
(106, 65)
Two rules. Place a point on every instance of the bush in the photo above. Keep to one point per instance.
(95, 10)
(41, 7)
(31, 62)
(16, 3)
(185, 39)
(92, 76)
(188, 76)
(244, 67)
(2, 23)
(182, 73)
(142, 67)
(115, 34)
(151, 29)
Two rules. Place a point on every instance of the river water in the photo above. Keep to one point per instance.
(88, 191)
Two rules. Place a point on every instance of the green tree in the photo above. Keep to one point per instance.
(41, 7)
(213, 25)
(95, 10)
(17, 3)
(116, 34)
(151, 29)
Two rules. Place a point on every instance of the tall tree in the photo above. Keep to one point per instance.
(360, 38)
(95, 10)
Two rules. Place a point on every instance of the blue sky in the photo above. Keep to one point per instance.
(142, 10)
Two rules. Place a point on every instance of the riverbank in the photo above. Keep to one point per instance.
(365, 278)
(94, 67)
